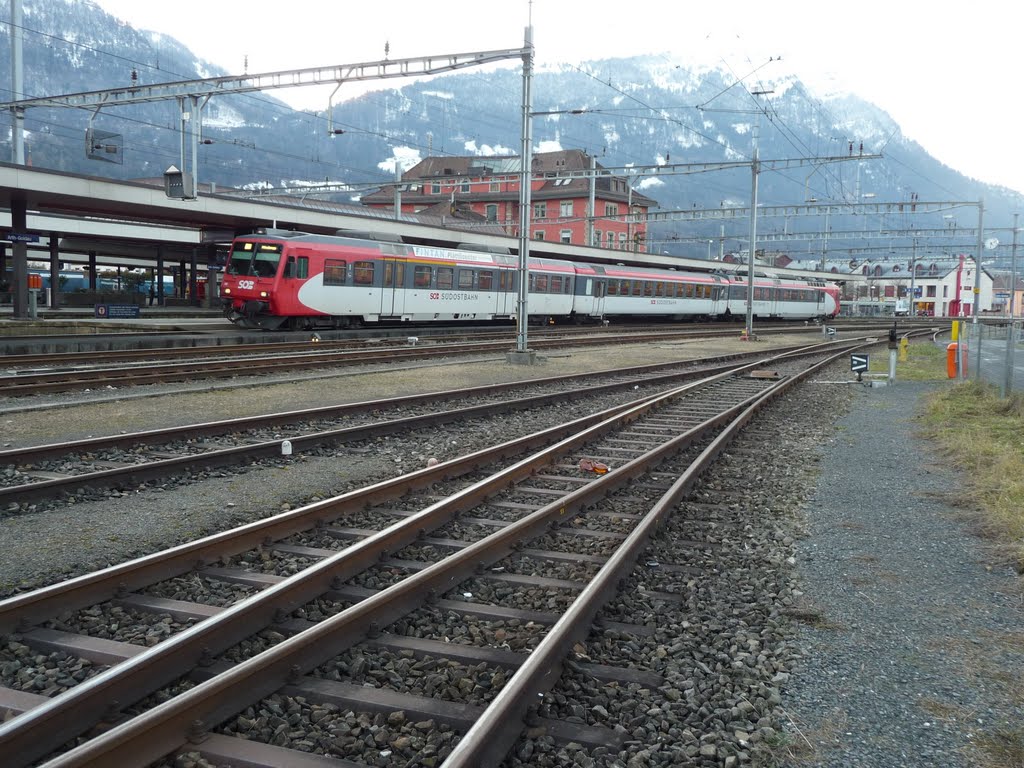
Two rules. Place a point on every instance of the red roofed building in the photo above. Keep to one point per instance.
(489, 186)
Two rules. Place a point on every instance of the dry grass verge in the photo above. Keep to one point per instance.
(982, 435)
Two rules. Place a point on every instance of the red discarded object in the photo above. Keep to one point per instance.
(589, 465)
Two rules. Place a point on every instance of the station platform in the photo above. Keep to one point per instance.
(86, 320)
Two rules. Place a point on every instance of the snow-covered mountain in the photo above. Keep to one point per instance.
(635, 111)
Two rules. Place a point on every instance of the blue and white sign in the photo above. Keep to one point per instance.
(858, 363)
(21, 237)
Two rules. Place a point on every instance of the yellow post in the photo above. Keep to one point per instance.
(904, 349)
(956, 330)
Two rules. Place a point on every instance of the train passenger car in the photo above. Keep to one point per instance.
(784, 298)
(663, 293)
(277, 279)
(291, 279)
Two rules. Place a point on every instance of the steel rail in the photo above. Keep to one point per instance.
(18, 385)
(201, 346)
(119, 476)
(27, 454)
(65, 715)
(160, 731)
(24, 739)
(490, 739)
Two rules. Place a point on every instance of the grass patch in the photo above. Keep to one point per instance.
(925, 361)
(942, 710)
(810, 615)
(864, 558)
(1003, 748)
(801, 743)
(982, 435)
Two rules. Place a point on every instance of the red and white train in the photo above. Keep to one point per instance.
(283, 279)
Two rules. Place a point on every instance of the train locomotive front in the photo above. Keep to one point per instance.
(251, 289)
(276, 278)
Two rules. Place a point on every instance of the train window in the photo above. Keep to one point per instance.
(362, 273)
(638, 287)
(568, 285)
(599, 287)
(303, 270)
(421, 276)
(624, 287)
(506, 280)
(334, 272)
(466, 279)
(389, 274)
(445, 277)
(659, 288)
(689, 290)
(540, 285)
(485, 280)
(613, 287)
(648, 288)
(556, 283)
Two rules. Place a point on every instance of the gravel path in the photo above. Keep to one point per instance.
(913, 643)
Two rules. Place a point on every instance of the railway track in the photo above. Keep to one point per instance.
(204, 346)
(310, 592)
(123, 461)
(309, 357)
(129, 368)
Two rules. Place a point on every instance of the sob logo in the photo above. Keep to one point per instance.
(246, 284)
(435, 296)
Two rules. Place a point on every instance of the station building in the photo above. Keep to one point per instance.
(603, 211)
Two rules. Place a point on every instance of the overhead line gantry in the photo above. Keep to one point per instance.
(193, 95)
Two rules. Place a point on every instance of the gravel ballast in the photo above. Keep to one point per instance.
(908, 645)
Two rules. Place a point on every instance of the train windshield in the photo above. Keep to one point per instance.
(259, 259)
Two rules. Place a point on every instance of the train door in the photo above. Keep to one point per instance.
(296, 273)
(392, 296)
(774, 296)
(507, 296)
(599, 293)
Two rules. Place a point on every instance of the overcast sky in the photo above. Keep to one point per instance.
(950, 78)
